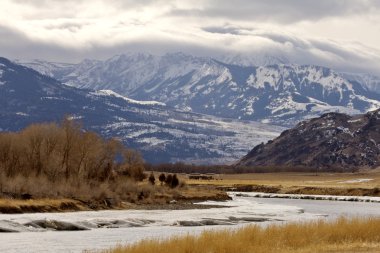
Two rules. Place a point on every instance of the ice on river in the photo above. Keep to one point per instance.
(239, 210)
(74, 232)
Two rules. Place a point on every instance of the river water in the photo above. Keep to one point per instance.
(103, 229)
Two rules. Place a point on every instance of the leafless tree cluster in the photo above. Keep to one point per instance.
(66, 151)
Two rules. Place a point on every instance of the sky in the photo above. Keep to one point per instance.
(342, 34)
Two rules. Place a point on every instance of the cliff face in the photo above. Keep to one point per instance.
(332, 141)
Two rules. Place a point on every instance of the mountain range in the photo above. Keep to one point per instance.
(280, 93)
(162, 133)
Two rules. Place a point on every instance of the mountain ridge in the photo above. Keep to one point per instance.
(278, 94)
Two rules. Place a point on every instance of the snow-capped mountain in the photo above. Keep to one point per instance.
(369, 81)
(259, 59)
(161, 133)
(52, 69)
(281, 94)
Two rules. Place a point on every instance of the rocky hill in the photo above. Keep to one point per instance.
(161, 133)
(280, 93)
(333, 141)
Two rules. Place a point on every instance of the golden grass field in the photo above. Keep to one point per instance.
(296, 182)
(295, 179)
(342, 235)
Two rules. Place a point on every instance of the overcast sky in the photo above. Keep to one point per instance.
(344, 34)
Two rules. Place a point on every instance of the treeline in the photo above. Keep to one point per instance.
(189, 168)
(233, 169)
(65, 151)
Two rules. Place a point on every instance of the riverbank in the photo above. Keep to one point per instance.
(178, 199)
(342, 235)
(304, 190)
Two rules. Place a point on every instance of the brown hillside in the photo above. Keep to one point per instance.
(332, 141)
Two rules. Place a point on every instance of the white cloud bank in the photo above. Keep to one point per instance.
(341, 34)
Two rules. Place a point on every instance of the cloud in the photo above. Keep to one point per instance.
(338, 33)
(279, 11)
(222, 30)
(259, 43)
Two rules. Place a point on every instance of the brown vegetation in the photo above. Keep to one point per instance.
(342, 235)
(64, 152)
(65, 161)
(40, 205)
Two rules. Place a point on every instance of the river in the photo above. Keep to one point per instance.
(103, 229)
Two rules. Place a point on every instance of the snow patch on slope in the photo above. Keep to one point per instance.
(1, 74)
(129, 100)
(369, 81)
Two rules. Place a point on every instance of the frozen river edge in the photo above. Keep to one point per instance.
(43, 232)
(309, 197)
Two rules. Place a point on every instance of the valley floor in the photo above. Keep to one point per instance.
(340, 184)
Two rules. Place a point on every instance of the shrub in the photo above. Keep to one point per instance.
(152, 179)
(169, 179)
(175, 181)
(162, 178)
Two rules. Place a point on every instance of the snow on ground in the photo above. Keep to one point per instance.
(129, 100)
(309, 197)
(359, 180)
(1, 74)
(229, 139)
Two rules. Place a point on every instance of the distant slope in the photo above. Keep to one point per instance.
(161, 133)
(281, 93)
(371, 82)
(333, 141)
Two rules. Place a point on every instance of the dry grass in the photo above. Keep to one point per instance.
(296, 179)
(41, 187)
(308, 183)
(39, 205)
(342, 235)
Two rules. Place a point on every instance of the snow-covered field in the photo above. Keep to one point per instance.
(107, 228)
(359, 180)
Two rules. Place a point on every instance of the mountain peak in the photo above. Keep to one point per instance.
(256, 60)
